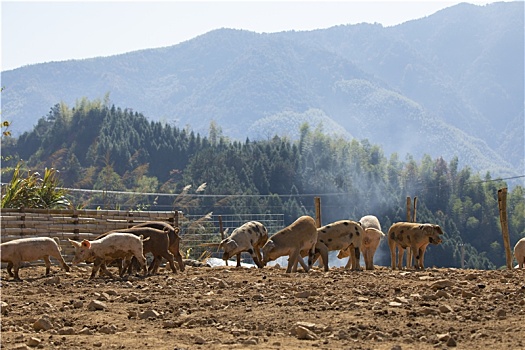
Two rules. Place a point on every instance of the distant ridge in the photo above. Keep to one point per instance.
(450, 84)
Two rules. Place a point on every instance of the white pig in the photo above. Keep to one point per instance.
(31, 249)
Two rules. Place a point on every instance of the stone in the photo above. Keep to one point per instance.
(4, 307)
(33, 342)
(85, 331)
(42, 324)
(149, 313)
(66, 331)
(96, 305)
(303, 294)
(52, 280)
(111, 329)
(441, 284)
(451, 342)
(445, 308)
(304, 333)
(200, 340)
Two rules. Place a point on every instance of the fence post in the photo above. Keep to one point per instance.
(415, 209)
(76, 231)
(129, 214)
(221, 228)
(502, 204)
(22, 217)
(317, 201)
(409, 216)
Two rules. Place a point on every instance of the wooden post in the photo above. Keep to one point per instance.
(171, 219)
(317, 201)
(409, 216)
(221, 230)
(462, 255)
(129, 214)
(22, 217)
(76, 231)
(415, 209)
(502, 204)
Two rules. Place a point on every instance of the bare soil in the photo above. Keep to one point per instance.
(243, 308)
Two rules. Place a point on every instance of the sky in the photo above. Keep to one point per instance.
(44, 31)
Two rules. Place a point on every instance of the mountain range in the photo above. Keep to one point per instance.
(450, 84)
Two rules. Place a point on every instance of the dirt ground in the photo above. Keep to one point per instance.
(243, 308)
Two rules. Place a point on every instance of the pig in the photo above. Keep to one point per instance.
(114, 246)
(250, 237)
(31, 249)
(416, 236)
(372, 236)
(293, 240)
(174, 242)
(342, 234)
(370, 221)
(519, 252)
(157, 244)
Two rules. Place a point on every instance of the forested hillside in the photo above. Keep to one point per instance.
(98, 146)
(447, 85)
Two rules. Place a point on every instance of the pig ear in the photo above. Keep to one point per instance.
(74, 243)
(86, 244)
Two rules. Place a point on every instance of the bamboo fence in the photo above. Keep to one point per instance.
(73, 224)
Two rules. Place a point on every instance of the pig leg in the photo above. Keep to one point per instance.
(415, 253)
(400, 253)
(292, 261)
(142, 262)
(168, 256)
(94, 271)
(306, 268)
(178, 257)
(9, 267)
(99, 264)
(16, 266)
(353, 261)
(322, 250)
(103, 268)
(257, 250)
(48, 264)
(61, 261)
(349, 262)
(300, 260)
(126, 267)
(255, 257)
(311, 258)
(357, 256)
(154, 266)
(368, 255)
(365, 256)
(422, 258)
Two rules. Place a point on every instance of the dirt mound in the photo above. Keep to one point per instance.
(228, 307)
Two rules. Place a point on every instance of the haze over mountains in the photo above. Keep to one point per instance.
(450, 84)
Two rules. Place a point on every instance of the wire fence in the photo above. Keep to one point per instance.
(201, 238)
(200, 234)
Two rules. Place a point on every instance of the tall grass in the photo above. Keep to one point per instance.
(31, 190)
